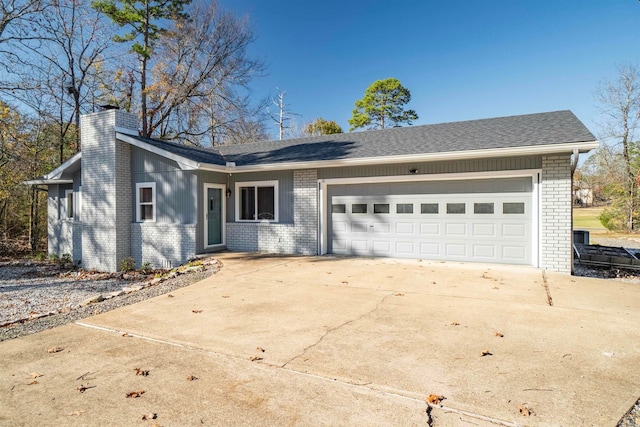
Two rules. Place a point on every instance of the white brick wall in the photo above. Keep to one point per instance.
(106, 187)
(301, 237)
(162, 245)
(556, 213)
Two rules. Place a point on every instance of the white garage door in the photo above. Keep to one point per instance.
(467, 224)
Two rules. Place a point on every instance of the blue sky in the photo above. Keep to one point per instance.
(461, 60)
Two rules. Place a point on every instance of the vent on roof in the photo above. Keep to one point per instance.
(109, 107)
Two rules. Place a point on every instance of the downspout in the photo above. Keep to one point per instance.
(574, 165)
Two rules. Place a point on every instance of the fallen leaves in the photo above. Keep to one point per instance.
(76, 413)
(135, 394)
(35, 375)
(260, 349)
(141, 372)
(55, 350)
(499, 335)
(255, 358)
(34, 382)
(525, 410)
(84, 388)
(192, 378)
(152, 416)
(196, 311)
(225, 296)
(435, 399)
(398, 294)
(126, 335)
(170, 296)
(485, 353)
(455, 324)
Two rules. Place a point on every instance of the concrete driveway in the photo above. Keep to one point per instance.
(275, 340)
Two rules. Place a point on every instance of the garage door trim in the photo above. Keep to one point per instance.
(534, 174)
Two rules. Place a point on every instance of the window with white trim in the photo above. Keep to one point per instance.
(145, 201)
(257, 201)
(68, 195)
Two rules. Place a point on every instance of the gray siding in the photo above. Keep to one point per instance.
(458, 166)
(285, 192)
(176, 189)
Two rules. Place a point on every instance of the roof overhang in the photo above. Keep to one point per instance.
(56, 176)
(566, 148)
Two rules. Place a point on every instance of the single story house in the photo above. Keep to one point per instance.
(493, 190)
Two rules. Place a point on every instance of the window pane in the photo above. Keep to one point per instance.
(455, 208)
(429, 208)
(247, 203)
(266, 206)
(339, 208)
(69, 205)
(146, 195)
(483, 208)
(404, 208)
(513, 208)
(146, 212)
(381, 208)
(359, 208)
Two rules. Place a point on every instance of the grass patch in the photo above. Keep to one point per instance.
(587, 219)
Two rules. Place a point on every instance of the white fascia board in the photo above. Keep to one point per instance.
(183, 162)
(47, 181)
(428, 157)
(57, 172)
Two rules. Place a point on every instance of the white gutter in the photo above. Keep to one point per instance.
(44, 181)
(426, 157)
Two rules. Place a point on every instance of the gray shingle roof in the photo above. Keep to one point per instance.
(503, 132)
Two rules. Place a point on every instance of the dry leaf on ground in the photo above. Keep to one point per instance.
(170, 296)
(486, 353)
(260, 349)
(79, 412)
(498, 334)
(149, 416)
(35, 375)
(126, 335)
(255, 358)
(33, 382)
(134, 394)
(434, 399)
(192, 378)
(196, 311)
(84, 388)
(525, 410)
(225, 296)
(398, 294)
(455, 324)
(55, 350)
(142, 372)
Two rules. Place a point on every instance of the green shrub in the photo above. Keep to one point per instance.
(146, 268)
(127, 264)
(40, 256)
(66, 259)
(54, 257)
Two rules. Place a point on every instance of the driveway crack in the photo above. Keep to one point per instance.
(330, 330)
(545, 283)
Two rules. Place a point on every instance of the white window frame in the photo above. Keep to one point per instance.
(256, 185)
(69, 215)
(139, 203)
(77, 199)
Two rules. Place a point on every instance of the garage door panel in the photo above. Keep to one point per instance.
(359, 227)
(514, 230)
(488, 221)
(484, 251)
(456, 229)
(405, 248)
(484, 230)
(430, 229)
(404, 227)
(381, 228)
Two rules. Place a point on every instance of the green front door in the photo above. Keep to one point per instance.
(214, 216)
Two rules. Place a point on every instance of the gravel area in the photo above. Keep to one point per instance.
(30, 290)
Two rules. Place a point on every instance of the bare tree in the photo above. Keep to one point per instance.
(283, 116)
(201, 77)
(619, 102)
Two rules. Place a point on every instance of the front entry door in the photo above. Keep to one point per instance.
(214, 215)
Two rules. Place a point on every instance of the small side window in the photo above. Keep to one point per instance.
(429, 208)
(513, 208)
(456, 208)
(339, 208)
(146, 201)
(381, 208)
(483, 208)
(404, 208)
(359, 208)
(70, 205)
